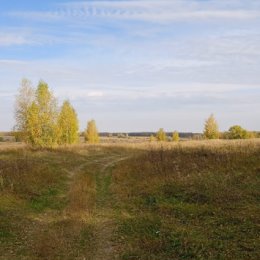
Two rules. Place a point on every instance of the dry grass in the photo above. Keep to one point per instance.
(144, 145)
(186, 200)
(190, 201)
(41, 206)
(82, 195)
(12, 146)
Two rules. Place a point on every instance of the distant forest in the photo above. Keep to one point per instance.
(148, 134)
(130, 134)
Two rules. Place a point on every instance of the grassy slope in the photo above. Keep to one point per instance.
(46, 197)
(186, 202)
(192, 203)
(55, 204)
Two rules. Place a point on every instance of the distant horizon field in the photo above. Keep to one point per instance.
(142, 143)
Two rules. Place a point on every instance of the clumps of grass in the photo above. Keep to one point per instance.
(43, 210)
(82, 195)
(48, 199)
(189, 203)
(25, 176)
(66, 239)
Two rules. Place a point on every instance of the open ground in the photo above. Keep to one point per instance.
(187, 200)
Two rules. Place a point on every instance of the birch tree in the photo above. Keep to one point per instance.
(68, 124)
(161, 135)
(91, 132)
(211, 130)
(42, 118)
(23, 101)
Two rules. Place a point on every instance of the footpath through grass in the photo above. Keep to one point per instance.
(39, 215)
(56, 204)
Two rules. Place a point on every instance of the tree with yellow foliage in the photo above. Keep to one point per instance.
(175, 136)
(211, 128)
(33, 125)
(152, 138)
(42, 118)
(161, 135)
(23, 101)
(91, 132)
(68, 124)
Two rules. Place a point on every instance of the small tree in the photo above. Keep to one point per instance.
(175, 136)
(161, 135)
(152, 138)
(42, 118)
(237, 132)
(68, 124)
(91, 132)
(23, 102)
(211, 128)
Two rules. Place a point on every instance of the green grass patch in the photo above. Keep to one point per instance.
(50, 199)
(189, 204)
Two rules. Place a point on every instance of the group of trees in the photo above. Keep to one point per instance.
(162, 136)
(40, 122)
(211, 131)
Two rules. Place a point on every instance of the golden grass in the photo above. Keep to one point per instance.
(12, 146)
(141, 143)
(245, 144)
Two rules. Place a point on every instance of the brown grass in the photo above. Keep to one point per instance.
(186, 200)
(190, 202)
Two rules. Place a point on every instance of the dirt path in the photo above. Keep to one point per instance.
(77, 222)
(103, 214)
(106, 244)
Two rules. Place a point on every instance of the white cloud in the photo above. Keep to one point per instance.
(7, 39)
(151, 11)
(95, 94)
(192, 92)
(12, 62)
(131, 55)
(78, 93)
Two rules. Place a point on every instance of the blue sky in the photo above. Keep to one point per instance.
(136, 65)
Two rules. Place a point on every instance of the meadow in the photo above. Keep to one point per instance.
(139, 200)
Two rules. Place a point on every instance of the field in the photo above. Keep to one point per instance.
(147, 201)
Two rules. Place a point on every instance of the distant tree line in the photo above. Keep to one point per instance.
(186, 135)
(42, 123)
(211, 131)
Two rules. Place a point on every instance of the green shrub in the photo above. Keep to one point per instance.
(237, 132)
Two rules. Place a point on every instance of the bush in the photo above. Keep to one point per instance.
(237, 132)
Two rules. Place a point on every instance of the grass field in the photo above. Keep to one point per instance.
(190, 200)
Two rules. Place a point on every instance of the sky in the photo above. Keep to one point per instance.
(136, 65)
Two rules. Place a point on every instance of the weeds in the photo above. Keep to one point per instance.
(37, 198)
(190, 202)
